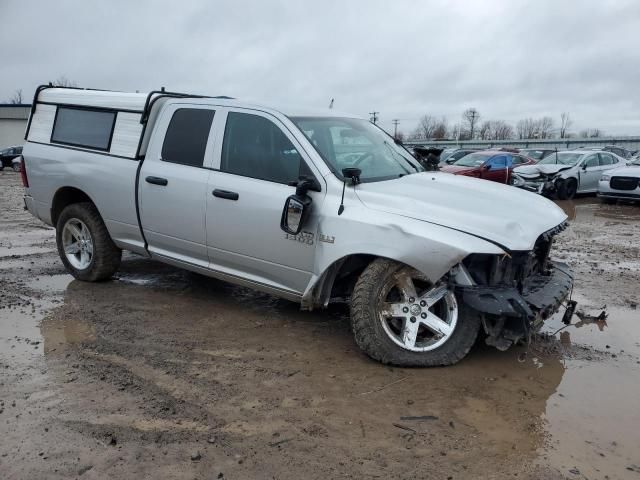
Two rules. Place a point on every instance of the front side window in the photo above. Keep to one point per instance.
(83, 127)
(350, 142)
(255, 147)
(187, 135)
(591, 161)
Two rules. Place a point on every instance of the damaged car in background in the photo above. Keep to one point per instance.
(312, 207)
(564, 174)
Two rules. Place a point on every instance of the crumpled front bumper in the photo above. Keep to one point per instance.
(515, 315)
(537, 185)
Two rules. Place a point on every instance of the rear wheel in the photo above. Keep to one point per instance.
(401, 318)
(16, 167)
(84, 244)
(567, 189)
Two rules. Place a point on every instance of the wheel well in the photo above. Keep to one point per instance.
(65, 197)
(348, 270)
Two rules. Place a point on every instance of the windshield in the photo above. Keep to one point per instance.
(473, 160)
(446, 153)
(535, 154)
(564, 158)
(350, 142)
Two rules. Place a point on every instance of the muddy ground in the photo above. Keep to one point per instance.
(161, 373)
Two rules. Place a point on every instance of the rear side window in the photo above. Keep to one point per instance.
(606, 159)
(83, 127)
(256, 147)
(186, 138)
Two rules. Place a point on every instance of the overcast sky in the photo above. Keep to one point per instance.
(508, 59)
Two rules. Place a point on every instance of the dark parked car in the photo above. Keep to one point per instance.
(492, 165)
(453, 156)
(10, 157)
(536, 153)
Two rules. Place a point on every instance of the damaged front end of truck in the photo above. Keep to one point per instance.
(515, 293)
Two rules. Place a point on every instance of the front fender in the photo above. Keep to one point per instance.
(430, 249)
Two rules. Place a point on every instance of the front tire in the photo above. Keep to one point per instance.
(567, 189)
(84, 244)
(398, 317)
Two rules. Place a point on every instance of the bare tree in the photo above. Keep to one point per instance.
(565, 124)
(544, 127)
(400, 136)
(426, 127)
(591, 133)
(501, 130)
(472, 117)
(441, 129)
(63, 81)
(526, 128)
(16, 98)
(485, 130)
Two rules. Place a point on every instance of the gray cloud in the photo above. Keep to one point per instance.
(509, 59)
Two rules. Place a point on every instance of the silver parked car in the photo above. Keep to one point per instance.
(564, 174)
(621, 183)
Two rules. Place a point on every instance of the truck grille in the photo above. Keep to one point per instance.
(623, 183)
(516, 268)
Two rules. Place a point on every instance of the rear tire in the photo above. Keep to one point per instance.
(16, 167)
(567, 189)
(84, 244)
(385, 336)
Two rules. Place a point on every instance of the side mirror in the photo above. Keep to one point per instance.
(584, 166)
(297, 208)
(487, 167)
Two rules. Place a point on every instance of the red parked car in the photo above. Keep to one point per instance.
(492, 165)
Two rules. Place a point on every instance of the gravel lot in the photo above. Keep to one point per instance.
(162, 373)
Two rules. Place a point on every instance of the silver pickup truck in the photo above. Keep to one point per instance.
(311, 206)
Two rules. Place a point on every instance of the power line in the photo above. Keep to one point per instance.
(395, 122)
(374, 117)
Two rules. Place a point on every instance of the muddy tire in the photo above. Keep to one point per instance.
(409, 322)
(16, 167)
(567, 189)
(84, 244)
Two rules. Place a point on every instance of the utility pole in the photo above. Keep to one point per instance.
(374, 117)
(395, 122)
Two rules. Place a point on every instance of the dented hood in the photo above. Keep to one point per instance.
(547, 169)
(508, 216)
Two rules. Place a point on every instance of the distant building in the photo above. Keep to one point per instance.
(13, 123)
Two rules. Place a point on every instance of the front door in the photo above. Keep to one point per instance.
(590, 174)
(498, 169)
(258, 159)
(173, 184)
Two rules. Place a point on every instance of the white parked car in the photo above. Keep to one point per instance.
(621, 183)
(563, 174)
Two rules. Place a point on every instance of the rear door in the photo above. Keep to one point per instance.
(258, 158)
(173, 183)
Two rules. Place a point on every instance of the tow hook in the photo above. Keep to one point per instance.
(569, 311)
